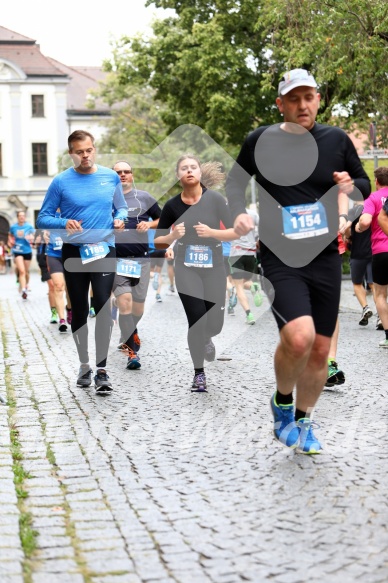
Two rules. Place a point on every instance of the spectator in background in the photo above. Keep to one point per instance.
(21, 235)
(382, 219)
(360, 261)
(369, 219)
(244, 268)
(3, 253)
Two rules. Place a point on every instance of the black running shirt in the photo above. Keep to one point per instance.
(336, 153)
(211, 209)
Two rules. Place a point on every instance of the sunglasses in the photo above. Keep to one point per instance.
(123, 172)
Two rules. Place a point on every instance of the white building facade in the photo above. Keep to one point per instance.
(41, 103)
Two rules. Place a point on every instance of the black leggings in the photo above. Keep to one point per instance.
(78, 277)
(202, 292)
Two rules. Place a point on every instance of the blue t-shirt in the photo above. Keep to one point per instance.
(226, 248)
(95, 199)
(54, 246)
(19, 232)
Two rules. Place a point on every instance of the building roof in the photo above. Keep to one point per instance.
(10, 36)
(82, 81)
(30, 60)
(25, 53)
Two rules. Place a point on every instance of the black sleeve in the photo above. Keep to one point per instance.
(385, 207)
(166, 221)
(224, 211)
(238, 178)
(155, 211)
(356, 172)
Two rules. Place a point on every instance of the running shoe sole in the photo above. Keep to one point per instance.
(103, 390)
(199, 389)
(133, 365)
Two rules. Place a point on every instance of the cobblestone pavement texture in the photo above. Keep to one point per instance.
(155, 483)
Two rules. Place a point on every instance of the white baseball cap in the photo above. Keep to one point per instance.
(295, 78)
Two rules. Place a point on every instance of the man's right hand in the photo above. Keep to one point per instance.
(243, 224)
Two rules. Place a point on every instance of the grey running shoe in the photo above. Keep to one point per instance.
(366, 314)
(210, 350)
(379, 324)
(101, 383)
(84, 376)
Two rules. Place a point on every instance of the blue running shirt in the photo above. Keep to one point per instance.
(21, 243)
(95, 199)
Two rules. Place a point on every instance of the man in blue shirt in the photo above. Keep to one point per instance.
(20, 238)
(92, 204)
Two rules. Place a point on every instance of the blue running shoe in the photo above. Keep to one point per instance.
(285, 428)
(133, 362)
(308, 443)
(233, 298)
(155, 281)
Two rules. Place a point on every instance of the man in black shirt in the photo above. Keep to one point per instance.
(360, 261)
(305, 171)
(133, 263)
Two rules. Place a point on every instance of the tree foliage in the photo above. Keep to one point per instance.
(217, 64)
(205, 65)
(345, 45)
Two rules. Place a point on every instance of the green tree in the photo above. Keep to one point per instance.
(217, 63)
(205, 65)
(345, 45)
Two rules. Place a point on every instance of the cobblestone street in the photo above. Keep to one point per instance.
(154, 483)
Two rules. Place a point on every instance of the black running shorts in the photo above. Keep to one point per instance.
(360, 269)
(243, 266)
(380, 268)
(26, 256)
(313, 290)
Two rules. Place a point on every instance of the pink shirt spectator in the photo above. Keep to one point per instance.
(373, 206)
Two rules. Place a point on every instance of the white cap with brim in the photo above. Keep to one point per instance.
(296, 78)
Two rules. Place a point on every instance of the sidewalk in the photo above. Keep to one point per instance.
(157, 484)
